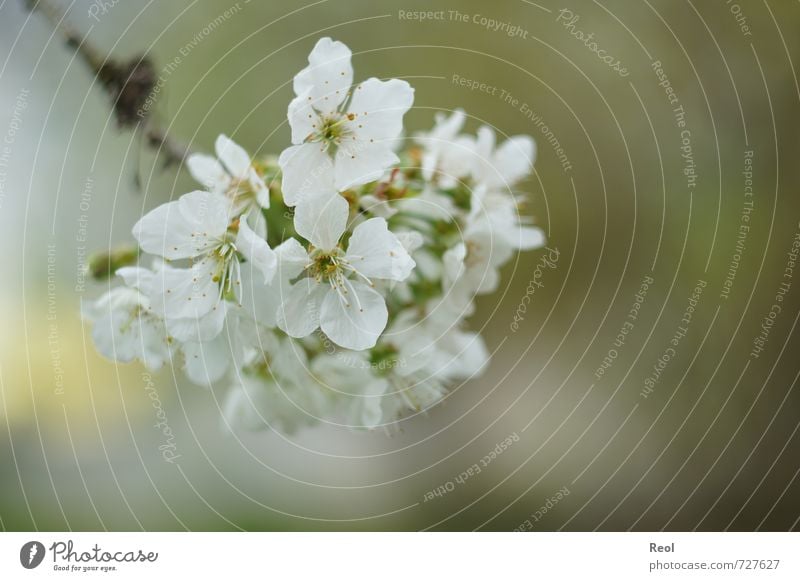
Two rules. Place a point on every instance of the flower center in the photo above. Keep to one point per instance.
(227, 272)
(326, 265)
(332, 267)
(241, 193)
(333, 129)
(475, 255)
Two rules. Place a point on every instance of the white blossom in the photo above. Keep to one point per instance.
(448, 156)
(200, 226)
(342, 137)
(231, 173)
(276, 390)
(358, 317)
(338, 292)
(124, 326)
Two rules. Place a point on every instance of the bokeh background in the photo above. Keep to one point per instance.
(713, 446)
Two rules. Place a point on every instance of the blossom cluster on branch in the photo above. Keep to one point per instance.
(330, 284)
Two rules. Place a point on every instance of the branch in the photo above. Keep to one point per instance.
(129, 84)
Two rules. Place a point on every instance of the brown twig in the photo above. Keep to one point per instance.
(129, 84)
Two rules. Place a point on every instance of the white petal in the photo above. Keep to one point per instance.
(257, 251)
(185, 228)
(357, 323)
(456, 161)
(259, 187)
(292, 258)
(453, 261)
(233, 155)
(374, 251)
(489, 280)
(379, 107)
(298, 315)
(185, 292)
(328, 75)
(289, 360)
(484, 144)
(241, 409)
(358, 163)
(460, 355)
(117, 299)
(306, 170)
(365, 410)
(208, 171)
(514, 159)
(164, 232)
(529, 238)
(430, 203)
(208, 211)
(207, 362)
(199, 329)
(137, 277)
(303, 118)
(376, 206)
(280, 405)
(153, 348)
(260, 302)
(322, 219)
(411, 240)
(447, 127)
(113, 336)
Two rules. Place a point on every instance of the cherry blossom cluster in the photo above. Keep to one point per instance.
(331, 284)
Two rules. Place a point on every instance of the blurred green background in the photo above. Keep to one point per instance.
(713, 446)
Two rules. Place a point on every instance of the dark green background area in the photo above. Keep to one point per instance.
(713, 447)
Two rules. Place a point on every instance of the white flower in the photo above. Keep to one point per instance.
(200, 226)
(260, 301)
(426, 351)
(448, 156)
(472, 266)
(504, 166)
(358, 393)
(276, 391)
(125, 328)
(497, 211)
(341, 138)
(232, 174)
(207, 357)
(458, 354)
(360, 319)
(337, 294)
(494, 228)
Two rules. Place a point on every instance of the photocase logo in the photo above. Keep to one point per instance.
(31, 554)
